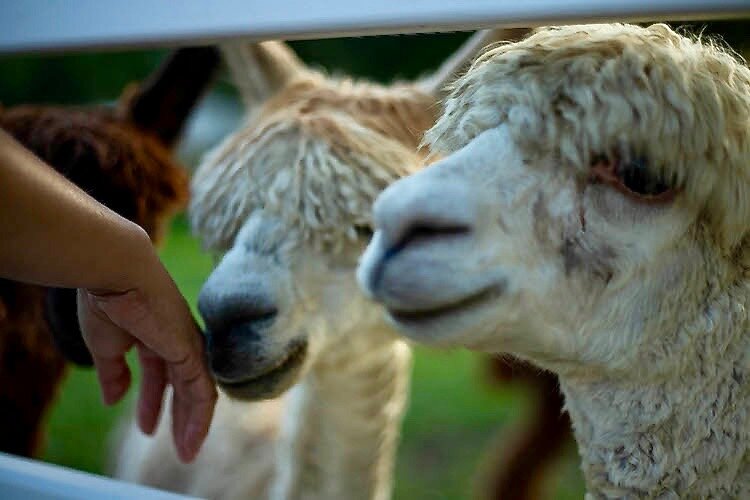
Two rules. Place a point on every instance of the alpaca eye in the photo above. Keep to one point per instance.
(636, 177)
(632, 178)
(363, 232)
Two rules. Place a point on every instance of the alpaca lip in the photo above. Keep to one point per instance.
(471, 301)
(272, 382)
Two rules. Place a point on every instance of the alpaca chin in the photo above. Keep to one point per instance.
(273, 383)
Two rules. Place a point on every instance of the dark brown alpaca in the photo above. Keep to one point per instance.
(122, 157)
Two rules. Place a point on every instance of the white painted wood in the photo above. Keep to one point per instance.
(29, 480)
(36, 25)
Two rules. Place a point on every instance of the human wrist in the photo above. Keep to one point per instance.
(133, 262)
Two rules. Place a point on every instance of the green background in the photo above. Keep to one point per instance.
(455, 415)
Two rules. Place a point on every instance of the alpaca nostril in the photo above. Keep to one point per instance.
(265, 316)
(241, 301)
(428, 232)
(418, 232)
(230, 339)
(421, 233)
(229, 311)
(255, 318)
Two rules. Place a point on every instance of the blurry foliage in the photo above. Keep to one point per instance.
(71, 78)
(384, 58)
(90, 77)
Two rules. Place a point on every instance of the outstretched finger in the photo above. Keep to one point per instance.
(114, 378)
(193, 405)
(108, 344)
(153, 384)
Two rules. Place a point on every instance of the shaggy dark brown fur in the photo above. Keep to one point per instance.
(31, 369)
(122, 158)
(519, 465)
(127, 169)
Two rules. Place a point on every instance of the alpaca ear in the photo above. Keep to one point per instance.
(259, 70)
(436, 83)
(163, 102)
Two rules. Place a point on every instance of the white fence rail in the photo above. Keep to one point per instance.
(44, 25)
(22, 479)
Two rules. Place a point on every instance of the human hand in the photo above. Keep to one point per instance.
(126, 298)
(155, 318)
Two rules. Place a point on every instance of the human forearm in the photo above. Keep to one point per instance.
(52, 233)
(43, 221)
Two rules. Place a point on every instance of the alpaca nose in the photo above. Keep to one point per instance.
(235, 319)
(415, 211)
(235, 312)
(224, 308)
(227, 307)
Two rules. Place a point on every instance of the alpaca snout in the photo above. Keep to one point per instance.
(239, 347)
(423, 228)
(235, 351)
(247, 367)
(416, 211)
(223, 307)
(239, 350)
(411, 212)
(236, 318)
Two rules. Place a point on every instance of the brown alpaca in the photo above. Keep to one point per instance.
(121, 157)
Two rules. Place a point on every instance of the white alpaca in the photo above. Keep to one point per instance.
(288, 198)
(592, 215)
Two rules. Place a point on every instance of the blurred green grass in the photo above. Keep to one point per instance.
(453, 415)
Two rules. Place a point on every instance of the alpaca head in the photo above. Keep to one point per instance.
(595, 180)
(120, 156)
(287, 200)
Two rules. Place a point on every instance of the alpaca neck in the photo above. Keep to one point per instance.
(340, 436)
(677, 427)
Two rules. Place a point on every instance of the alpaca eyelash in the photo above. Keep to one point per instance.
(636, 176)
(631, 177)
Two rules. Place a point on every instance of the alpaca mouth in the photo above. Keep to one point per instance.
(273, 382)
(471, 302)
